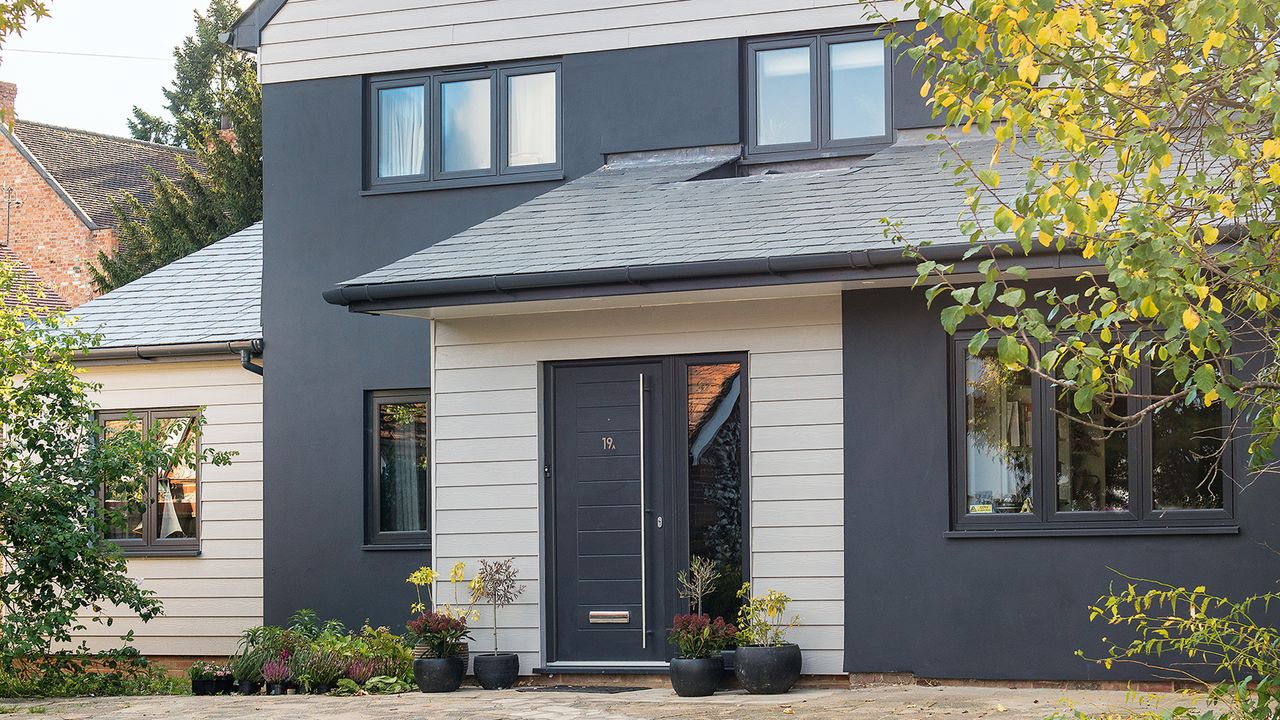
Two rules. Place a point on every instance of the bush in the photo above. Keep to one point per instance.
(107, 673)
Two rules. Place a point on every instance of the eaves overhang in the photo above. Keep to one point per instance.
(846, 266)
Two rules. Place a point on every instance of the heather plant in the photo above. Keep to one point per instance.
(361, 669)
(496, 583)
(698, 636)
(276, 671)
(324, 667)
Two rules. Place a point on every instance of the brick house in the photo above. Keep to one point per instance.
(58, 214)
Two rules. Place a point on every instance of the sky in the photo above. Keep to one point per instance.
(62, 77)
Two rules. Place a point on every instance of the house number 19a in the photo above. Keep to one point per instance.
(606, 442)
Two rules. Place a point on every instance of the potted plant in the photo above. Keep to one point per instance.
(439, 634)
(495, 583)
(201, 674)
(697, 669)
(765, 663)
(223, 680)
(276, 674)
(247, 670)
(324, 669)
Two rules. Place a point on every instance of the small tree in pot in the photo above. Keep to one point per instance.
(765, 663)
(496, 584)
(699, 641)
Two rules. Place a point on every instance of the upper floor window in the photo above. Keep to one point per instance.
(1024, 460)
(398, 482)
(817, 95)
(464, 127)
(167, 519)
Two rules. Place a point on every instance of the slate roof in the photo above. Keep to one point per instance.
(92, 167)
(211, 295)
(27, 283)
(640, 213)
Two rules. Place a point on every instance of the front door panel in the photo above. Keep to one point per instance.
(607, 491)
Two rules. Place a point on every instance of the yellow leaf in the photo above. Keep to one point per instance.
(1210, 397)
(1181, 68)
(1202, 292)
(1045, 238)
(1159, 35)
(1028, 70)
(921, 25)
(1141, 117)
(924, 89)
(1215, 304)
(1090, 249)
(1146, 78)
(1097, 373)
(1215, 39)
(1148, 307)
(1190, 319)
(1210, 234)
(1271, 148)
(1260, 301)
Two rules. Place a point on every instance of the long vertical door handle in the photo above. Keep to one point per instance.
(644, 614)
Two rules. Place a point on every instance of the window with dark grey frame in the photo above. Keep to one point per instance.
(1019, 464)
(169, 521)
(462, 128)
(818, 95)
(398, 473)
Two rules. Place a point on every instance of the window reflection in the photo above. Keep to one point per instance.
(857, 89)
(465, 117)
(998, 436)
(783, 96)
(403, 467)
(715, 478)
(128, 499)
(531, 129)
(175, 512)
(1093, 464)
(1186, 444)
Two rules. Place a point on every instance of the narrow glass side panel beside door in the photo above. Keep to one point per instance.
(715, 478)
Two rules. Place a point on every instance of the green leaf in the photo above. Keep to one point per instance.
(978, 342)
(951, 318)
(1010, 351)
(1013, 297)
(1082, 399)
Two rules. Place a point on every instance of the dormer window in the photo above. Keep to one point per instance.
(817, 96)
(471, 127)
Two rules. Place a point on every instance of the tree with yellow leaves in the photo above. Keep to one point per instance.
(1146, 140)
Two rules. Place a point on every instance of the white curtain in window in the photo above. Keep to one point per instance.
(401, 131)
(406, 464)
(531, 135)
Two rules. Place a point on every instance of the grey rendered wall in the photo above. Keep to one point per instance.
(1004, 608)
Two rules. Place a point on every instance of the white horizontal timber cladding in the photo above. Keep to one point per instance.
(487, 474)
(208, 599)
(311, 39)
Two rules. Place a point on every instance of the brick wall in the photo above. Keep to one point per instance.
(46, 233)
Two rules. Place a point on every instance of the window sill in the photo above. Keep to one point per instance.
(1092, 531)
(762, 157)
(373, 547)
(481, 181)
(161, 553)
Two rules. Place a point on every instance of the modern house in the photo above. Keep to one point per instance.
(182, 342)
(603, 285)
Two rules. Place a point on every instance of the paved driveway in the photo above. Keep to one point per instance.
(897, 701)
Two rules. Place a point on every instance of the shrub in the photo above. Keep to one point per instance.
(441, 633)
(106, 673)
(361, 669)
(324, 667)
(698, 636)
(277, 671)
(760, 620)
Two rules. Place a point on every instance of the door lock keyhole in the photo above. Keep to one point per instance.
(659, 522)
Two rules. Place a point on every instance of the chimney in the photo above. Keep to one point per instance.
(8, 98)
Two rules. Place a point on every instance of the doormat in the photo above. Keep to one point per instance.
(596, 689)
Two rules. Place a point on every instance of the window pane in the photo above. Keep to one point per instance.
(998, 425)
(466, 119)
(783, 96)
(1186, 442)
(531, 131)
(1093, 465)
(129, 499)
(715, 478)
(403, 466)
(401, 131)
(857, 89)
(176, 508)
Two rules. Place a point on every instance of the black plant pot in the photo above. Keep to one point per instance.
(224, 685)
(321, 688)
(438, 675)
(248, 687)
(203, 686)
(496, 671)
(277, 688)
(767, 670)
(696, 677)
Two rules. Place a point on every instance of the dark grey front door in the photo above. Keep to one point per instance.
(607, 493)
